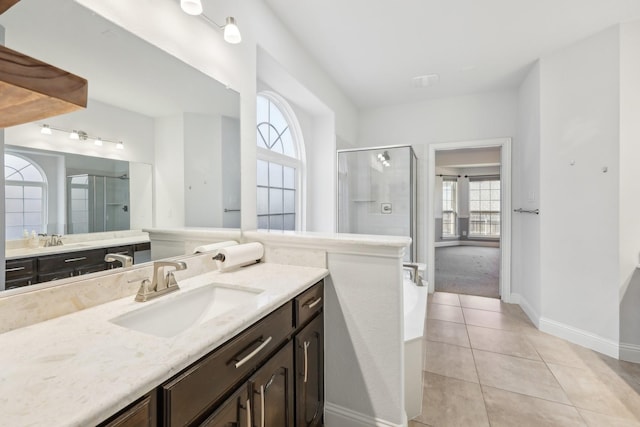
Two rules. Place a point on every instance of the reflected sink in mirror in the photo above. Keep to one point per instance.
(185, 309)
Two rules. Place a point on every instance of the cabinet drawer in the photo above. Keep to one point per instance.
(194, 392)
(309, 303)
(70, 260)
(138, 414)
(56, 275)
(20, 268)
(18, 283)
(121, 250)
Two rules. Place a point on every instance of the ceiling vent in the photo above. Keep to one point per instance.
(426, 80)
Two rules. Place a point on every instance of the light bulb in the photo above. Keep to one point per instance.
(74, 135)
(191, 7)
(46, 130)
(231, 31)
(120, 145)
(98, 142)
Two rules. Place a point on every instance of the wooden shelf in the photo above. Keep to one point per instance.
(6, 4)
(32, 90)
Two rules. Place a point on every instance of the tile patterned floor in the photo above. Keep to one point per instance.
(487, 365)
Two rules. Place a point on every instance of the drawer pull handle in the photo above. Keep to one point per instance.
(15, 269)
(313, 304)
(253, 353)
(306, 359)
(248, 412)
(81, 258)
(262, 406)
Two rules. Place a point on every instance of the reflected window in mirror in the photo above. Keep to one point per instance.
(25, 196)
(280, 172)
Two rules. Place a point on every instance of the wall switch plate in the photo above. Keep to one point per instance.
(385, 208)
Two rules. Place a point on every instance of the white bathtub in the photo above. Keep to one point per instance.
(415, 313)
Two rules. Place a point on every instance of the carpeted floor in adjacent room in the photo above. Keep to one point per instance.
(471, 270)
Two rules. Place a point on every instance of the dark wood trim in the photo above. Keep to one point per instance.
(6, 4)
(33, 90)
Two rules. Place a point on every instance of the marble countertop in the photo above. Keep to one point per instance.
(79, 369)
(15, 253)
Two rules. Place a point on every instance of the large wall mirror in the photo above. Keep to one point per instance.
(139, 95)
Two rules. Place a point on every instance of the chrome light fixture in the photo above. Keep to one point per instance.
(79, 135)
(230, 28)
(231, 31)
(191, 7)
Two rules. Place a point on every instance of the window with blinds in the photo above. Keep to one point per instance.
(449, 207)
(484, 207)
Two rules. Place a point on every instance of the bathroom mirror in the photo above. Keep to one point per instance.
(167, 114)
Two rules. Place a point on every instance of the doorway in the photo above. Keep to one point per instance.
(469, 218)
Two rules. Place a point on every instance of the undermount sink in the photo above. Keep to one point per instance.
(184, 309)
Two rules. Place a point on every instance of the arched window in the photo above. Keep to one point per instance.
(25, 196)
(280, 174)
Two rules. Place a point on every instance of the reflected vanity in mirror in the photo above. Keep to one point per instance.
(178, 163)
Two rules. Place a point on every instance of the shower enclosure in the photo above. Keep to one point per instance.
(97, 203)
(377, 192)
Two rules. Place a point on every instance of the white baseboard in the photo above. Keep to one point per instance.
(338, 416)
(580, 337)
(447, 243)
(526, 307)
(630, 352)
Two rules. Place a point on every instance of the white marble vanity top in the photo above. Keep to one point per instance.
(79, 369)
(75, 245)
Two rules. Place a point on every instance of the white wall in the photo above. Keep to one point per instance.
(168, 175)
(202, 170)
(141, 195)
(464, 118)
(526, 195)
(579, 219)
(629, 227)
(231, 180)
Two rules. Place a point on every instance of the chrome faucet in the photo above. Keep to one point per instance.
(161, 284)
(125, 260)
(54, 240)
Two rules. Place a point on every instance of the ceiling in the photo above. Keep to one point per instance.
(374, 48)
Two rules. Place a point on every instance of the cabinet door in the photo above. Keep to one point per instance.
(272, 398)
(309, 346)
(234, 412)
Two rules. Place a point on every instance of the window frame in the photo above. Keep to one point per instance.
(454, 211)
(43, 185)
(298, 163)
(490, 212)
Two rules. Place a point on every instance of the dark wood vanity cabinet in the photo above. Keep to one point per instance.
(29, 271)
(141, 413)
(309, 349)
(20, 272)
(269, 375)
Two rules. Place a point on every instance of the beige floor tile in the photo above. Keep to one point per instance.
(555, 350)
(491, 319)
(450, 360)
(530, 377)
(594, 419)
(414, 423)
(445, 298)
(445, 312)
(448, 402)
(507, 409)
(587, 391)
(447, 332)
(500, 341)
(515, 311)
(480, 303)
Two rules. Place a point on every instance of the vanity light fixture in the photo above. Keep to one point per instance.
(79, 135)
(230, 28)
(191, 7)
